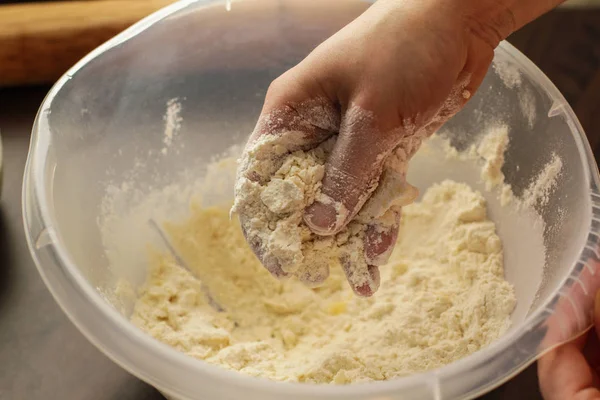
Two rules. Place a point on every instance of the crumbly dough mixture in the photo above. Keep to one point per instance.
(443, 296)
(274, 209)
(275, 187)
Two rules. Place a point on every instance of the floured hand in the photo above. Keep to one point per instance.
(378, 87)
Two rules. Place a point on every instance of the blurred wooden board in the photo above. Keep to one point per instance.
(40, 41)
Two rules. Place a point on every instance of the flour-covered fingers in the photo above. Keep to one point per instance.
(316, 118)
(270, 263)
(293, 106)
(279, 173)
(280, 130)
(381, 214)
(363, 278)
(381, 236)
(351, 173)
(284, 130)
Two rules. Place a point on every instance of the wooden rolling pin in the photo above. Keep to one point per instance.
(40, 41)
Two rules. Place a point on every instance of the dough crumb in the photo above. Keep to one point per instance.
(491, 149)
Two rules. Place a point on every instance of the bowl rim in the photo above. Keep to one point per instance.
(37, 194)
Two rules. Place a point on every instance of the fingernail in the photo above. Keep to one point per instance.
(322, 218)
(369, 288)
(379, 245)
(363, 291)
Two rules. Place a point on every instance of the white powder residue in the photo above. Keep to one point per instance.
(127, 208)
(506, 195)
(172, 119)
(443, 297)
(527, 103)
(491, 149)
(538, 192)
(508, 73)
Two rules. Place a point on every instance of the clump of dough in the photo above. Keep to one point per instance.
(272, 206)
(491, 149)
(274, 189)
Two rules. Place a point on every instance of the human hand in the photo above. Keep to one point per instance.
(384, 82)
(571, 371)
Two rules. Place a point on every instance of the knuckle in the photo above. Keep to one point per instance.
(379, 117)
(276, 86)
(286, 89)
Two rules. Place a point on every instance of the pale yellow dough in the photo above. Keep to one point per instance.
(443, 296)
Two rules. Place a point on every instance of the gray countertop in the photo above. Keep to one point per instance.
(43, 355)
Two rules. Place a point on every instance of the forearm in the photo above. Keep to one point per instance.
(497, 19)
(491, 20)
(525, 11)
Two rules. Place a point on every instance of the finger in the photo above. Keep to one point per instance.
(295, 116)
(380, 238)
(293, 103)
(271, 264)
(575, 310)
(280, 130)
(382, 229)
(381, 213)
(316, 118)
(592, 347)
(283, 130)
(363, 278)
(351, 173)
(565, 374)
(570, 370)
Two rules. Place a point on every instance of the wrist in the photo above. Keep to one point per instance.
(489, 20)
(494, 20)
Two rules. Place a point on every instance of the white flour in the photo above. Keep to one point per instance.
(509, 73)
(542, 185)
(443, 294)
(443, 297)
(172, 120)
(491, 149)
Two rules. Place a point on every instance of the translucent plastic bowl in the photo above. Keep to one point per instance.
(104, 119)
